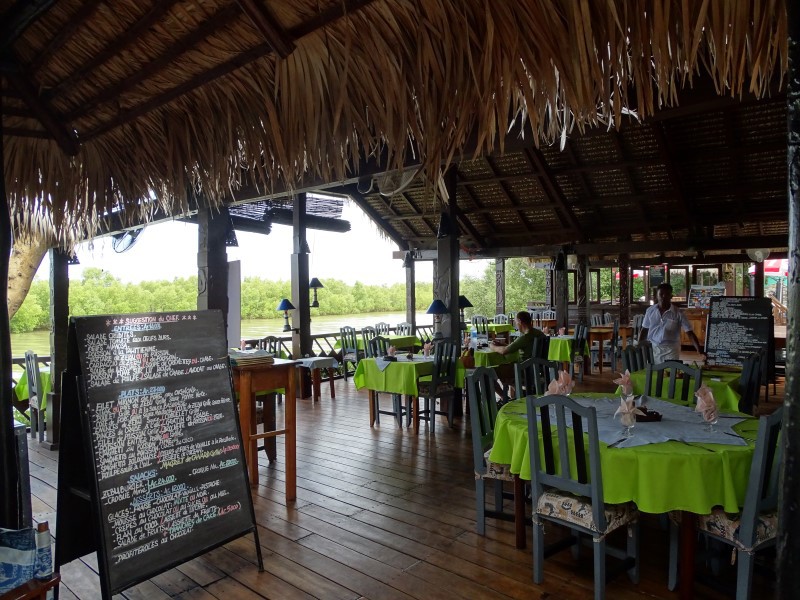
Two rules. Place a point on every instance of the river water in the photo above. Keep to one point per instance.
(39, 341)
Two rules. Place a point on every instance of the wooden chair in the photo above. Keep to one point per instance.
(350, 351)
(501, 319)
(377, 347)
(272, 345)
(691, 378)
(541, 347)
(36, 399)
(481, 326)
(608, 318)
(636, 358)
(578, 347)
(404, 328)
(597, 320)
(610, 349)
(367, 333)
(574, 501)
(756, 526)
(532, 376)
(750, 383)
(381, 328)
(637, 326)
(481, 384)
(439, 386)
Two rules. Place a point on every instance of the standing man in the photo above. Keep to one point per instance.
(662, 327)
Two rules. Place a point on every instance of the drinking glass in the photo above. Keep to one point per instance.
(628, 420)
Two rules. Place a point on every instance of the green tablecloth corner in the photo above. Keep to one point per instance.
(657, 477)
(726, 390)
(399, 377)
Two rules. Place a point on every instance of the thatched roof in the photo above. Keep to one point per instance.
(110, 105)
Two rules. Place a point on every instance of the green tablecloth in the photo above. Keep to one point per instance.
(496, 327)
(487, 358)
(657, 477)
(399, 377)
(561, 348)
(724, 385)
(21, 389)
(398, 341)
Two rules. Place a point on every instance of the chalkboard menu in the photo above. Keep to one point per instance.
(656, 275)
(738, 327)
(162, 448)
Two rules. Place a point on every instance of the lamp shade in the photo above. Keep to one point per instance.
(437, 307)
(285, 305)
(463, 302)
(315, 284)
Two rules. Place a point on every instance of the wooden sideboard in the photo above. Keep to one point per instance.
(698, 317)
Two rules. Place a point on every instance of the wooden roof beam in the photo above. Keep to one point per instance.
(672, 172)
(65, 138)
(266, 24)
(342, 9)
(553, 191)
(416, 209)
(125, 39)
(217, 21)
(507, 192)
(467, 224)
(83, 13)
(357, 197)
(18, 17)
(617, 141)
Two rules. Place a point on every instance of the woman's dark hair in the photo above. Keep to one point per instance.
(525, 317)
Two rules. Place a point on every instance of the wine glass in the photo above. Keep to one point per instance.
(628, 420)
(711, 418)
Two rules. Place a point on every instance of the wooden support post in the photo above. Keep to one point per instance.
(212, 261)
(59, 325)
(301, 318)
(411, 295)
(582, 290)
(446, 281)
(500, 285)
(560, 291)
(758, 280)
(789, 515)
(624, 289)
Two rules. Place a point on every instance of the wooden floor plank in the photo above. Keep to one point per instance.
(380, 513)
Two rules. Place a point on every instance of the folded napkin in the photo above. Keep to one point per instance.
(391, 350)
(624, 381)
(563, 385)
(627, 411)
(426, 349)
(706, 405)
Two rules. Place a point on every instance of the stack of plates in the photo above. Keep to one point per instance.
(243, 358)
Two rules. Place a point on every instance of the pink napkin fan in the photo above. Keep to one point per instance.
(563, 385)
(624, 381)
(707, 406)
(627, 412)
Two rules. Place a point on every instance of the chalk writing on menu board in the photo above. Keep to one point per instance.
(167, 454)
(737, 327)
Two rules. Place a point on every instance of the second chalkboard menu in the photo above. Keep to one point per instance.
(738, 327)
(158, 425)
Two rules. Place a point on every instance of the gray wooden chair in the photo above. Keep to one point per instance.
(350, 351)
(637, 326)
(377, 347)
(750, 383)
(480, 324)
(654, 380)
(756, 527)
(272, 345)
(578, 348)
(439, 386)
(501, 319)
(367, 333)
(382, 328)
(610, 349)
(404, 328)
(597, 320)
(481, 384)
(636, 358)
(574, 501)
(532, 376)
(36, 399)
(608, 318)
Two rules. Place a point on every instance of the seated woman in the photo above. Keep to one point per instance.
(524, 343)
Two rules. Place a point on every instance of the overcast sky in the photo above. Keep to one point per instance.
(169, 250)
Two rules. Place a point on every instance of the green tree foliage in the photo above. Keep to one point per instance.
(99, 292)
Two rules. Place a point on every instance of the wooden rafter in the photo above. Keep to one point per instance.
(553, 191)
(413, 206)
(245, 58)
(218, 20)
(83, 13)
(663, 145)
(507, 193)
(127, 38)
(65, 139)
(266, 24)
(617, 142)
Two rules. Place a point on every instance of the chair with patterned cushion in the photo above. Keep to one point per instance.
(532, 376)
(690, 377)
(382, 328)
(404, 328)
(482, 401)
(439, 386)
(350, 351)
(756, 527)
(567, 487)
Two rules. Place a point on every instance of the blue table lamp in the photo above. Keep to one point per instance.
(437, 308)
(286, 306)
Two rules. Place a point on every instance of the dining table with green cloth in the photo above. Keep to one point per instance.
(398, 341)
(495, 328)
(490, 358)
(658, 477)
(398, 377)
(561, 348)
(21, 392)
(724, 384)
